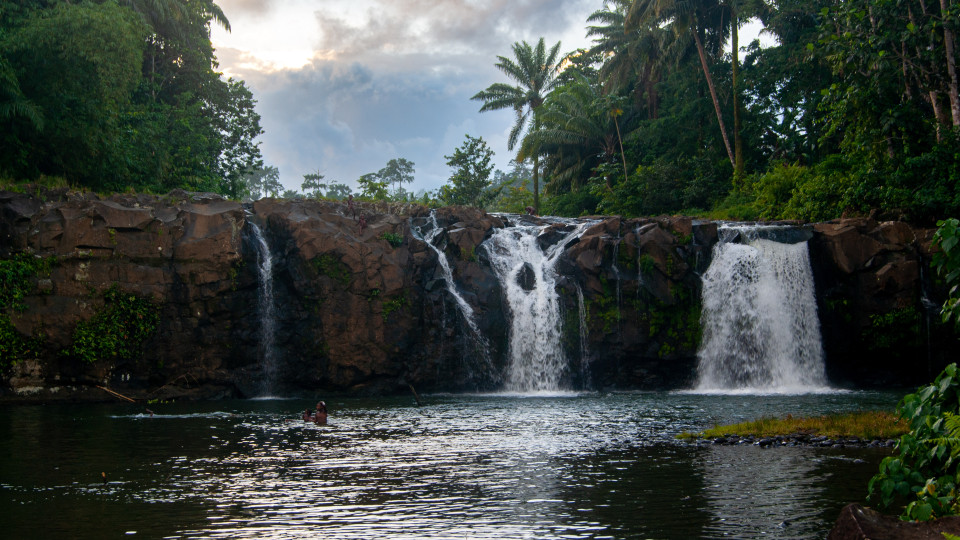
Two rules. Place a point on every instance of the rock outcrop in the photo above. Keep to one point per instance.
(364, 305)
(878, 303)
(859, 523)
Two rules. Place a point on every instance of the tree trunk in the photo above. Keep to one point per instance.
(735, 53)
(713, 95)
(951, 66)
(938, 114)
(622, 154)
(536, 184)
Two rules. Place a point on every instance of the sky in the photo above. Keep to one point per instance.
(343, 86)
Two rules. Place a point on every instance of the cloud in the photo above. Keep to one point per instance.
(244, 6)
(387, 80)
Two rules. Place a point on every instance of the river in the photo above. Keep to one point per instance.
(485, 466)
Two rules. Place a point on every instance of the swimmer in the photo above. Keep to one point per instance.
(320, 418)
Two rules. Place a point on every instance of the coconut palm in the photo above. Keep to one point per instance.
(578, 132)
(534, 69)
(631, 58)
(687, 18)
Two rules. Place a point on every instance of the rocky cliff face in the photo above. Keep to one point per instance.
(157, 297)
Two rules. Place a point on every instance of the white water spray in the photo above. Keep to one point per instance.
(267, 311)
(760, 327)
(584, 337)
(428, 233)
(537, 362)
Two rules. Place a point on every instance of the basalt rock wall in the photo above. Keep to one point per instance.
(363, 305)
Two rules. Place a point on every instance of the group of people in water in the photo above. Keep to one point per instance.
(319, 416)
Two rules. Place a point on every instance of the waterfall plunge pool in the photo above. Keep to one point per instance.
(487, 466)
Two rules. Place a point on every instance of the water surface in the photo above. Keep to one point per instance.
(491, 466)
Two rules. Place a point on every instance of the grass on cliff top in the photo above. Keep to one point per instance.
(866, 425)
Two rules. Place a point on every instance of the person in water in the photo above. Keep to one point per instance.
(307, 417)
(320, 417)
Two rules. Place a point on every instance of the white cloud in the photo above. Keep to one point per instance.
(345, 86)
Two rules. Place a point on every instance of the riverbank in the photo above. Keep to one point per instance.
(859, 429)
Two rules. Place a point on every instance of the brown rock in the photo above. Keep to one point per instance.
(859, 523)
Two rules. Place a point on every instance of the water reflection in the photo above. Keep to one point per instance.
(588, 466)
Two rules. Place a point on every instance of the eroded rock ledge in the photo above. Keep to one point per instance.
(364, 308)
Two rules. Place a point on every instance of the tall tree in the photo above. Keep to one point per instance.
(372, 187)
(263, 182)
(534, 69)
(397, 171)
(313, 185)
(471, 173)
(686, 18)
(578, 132)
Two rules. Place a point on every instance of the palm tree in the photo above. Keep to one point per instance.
(578, 132)
(535, 70)
(685, 17)
(632, 58)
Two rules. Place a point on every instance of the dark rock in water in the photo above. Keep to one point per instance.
(859, 523)
(526, 278)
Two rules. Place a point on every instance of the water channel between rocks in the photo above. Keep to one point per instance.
(485, 466)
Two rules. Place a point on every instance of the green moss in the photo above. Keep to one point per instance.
(393, 239)
(647, 263)
(839, 307)
(468, 254)
(676, 326)
(894, 330)
(17, 278)
(625, 260)
(119, 329)
(389, 306)
(602, 310)
(329, 265)
(14, 346)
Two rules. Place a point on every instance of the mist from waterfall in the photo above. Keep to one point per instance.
(267, 312)
(760, 327)
(528, 279)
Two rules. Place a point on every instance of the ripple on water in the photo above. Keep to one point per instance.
(485, 466)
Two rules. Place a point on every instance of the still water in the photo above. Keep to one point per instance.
(490, 466)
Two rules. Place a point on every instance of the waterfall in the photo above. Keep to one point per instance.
(616, 277)
(428, 233)
(759, 319)
(267, 311)
(584, 336)
(528, 280)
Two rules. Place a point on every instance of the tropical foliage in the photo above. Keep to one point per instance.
(924, 474)
(113, 95)
(850, 110)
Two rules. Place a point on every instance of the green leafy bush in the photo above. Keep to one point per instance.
(16, 279)
(947, 263)
(924, 474)
(393, 239)
(13, 345)
(117, 330)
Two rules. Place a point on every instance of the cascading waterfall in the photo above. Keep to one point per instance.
(584, 336)
(528, 279)
(267, 311)
(428, 233)
(760, 326)
(616, 278)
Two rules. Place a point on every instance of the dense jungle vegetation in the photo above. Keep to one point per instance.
(854, 109)
(121, 94)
